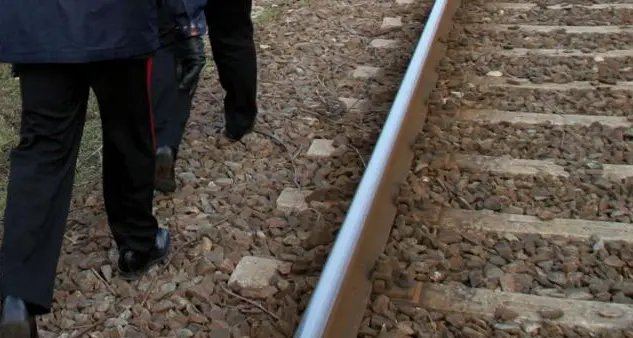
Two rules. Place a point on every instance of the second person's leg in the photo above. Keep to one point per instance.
(123, 92)
(171, 110)
(231, 35)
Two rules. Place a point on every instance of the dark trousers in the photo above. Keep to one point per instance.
(54, 102)
(231, 36)
(171, 105)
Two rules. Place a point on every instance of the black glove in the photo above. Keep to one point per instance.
(14, 71)
(190, 60)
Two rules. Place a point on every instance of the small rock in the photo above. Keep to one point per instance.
(469, 332)
(188, 177)
(383, 43)
(291, 240)
(494, 73)
(456, 319)
(504, 250)
(219, 329)
(405, 328)
(546, 215)
(202, 291)
(619, 297)
(579, 295)
(557, 278)
(106, 270)
(551, 313)
(598, 286)
(498, 260)
(530, 328)
(321, 148)
(614, 262)
(509, 328)
(380, 305)
(223, 182)
(505, 314)
(391, 23)
(626, 287)
(514, 210)
(508, 283)
(493, 203)
(492, 272)
(283, 284)
(366, 72)
(353, 105)
(206, 246)
(510, 237)
(610, 314)
(292, 199)
(277, 223)
(253, 274)
(185, 333)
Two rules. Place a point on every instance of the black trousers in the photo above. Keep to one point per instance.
(54, 102)
(231, 36)
(171, 105)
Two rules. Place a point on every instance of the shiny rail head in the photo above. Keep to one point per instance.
(321, 312)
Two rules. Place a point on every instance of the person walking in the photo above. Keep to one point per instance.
(177, 66)
(231, 36)
(233, 47)
(60, 50)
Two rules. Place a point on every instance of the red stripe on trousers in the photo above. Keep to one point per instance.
(150, 68)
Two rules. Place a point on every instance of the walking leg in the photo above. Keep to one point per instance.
(231, 36)
(171, 110)
(42, 167)
(122, 90)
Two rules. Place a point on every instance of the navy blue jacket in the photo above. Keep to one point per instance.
(71, 31)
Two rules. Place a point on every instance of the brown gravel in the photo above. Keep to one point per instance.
(578, 196)
(553, 267)
(418, 322)
(537, 68)
(578, 2)
(556, 267)
(570, 143)
(451, 93)
(591, 17)
(225, 206)
(597, 102)
(522, 39)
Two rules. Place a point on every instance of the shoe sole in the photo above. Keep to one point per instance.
(164, 168)
(132, 276)
(235, 138)
(15, 330)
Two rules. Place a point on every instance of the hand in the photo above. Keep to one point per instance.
(190, 59)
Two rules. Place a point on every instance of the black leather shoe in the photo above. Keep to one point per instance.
(234, 136)
(132, 265)
(15, 321)
(165, 177)
(237, 127)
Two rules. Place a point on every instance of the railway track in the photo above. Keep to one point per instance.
(511, 210)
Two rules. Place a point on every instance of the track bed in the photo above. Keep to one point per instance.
(515, 218)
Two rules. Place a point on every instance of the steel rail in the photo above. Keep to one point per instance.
(338, 303)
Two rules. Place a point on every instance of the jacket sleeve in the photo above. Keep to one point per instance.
(188, 15)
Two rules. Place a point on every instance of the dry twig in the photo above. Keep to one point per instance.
(251, 302)
(105, 283)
